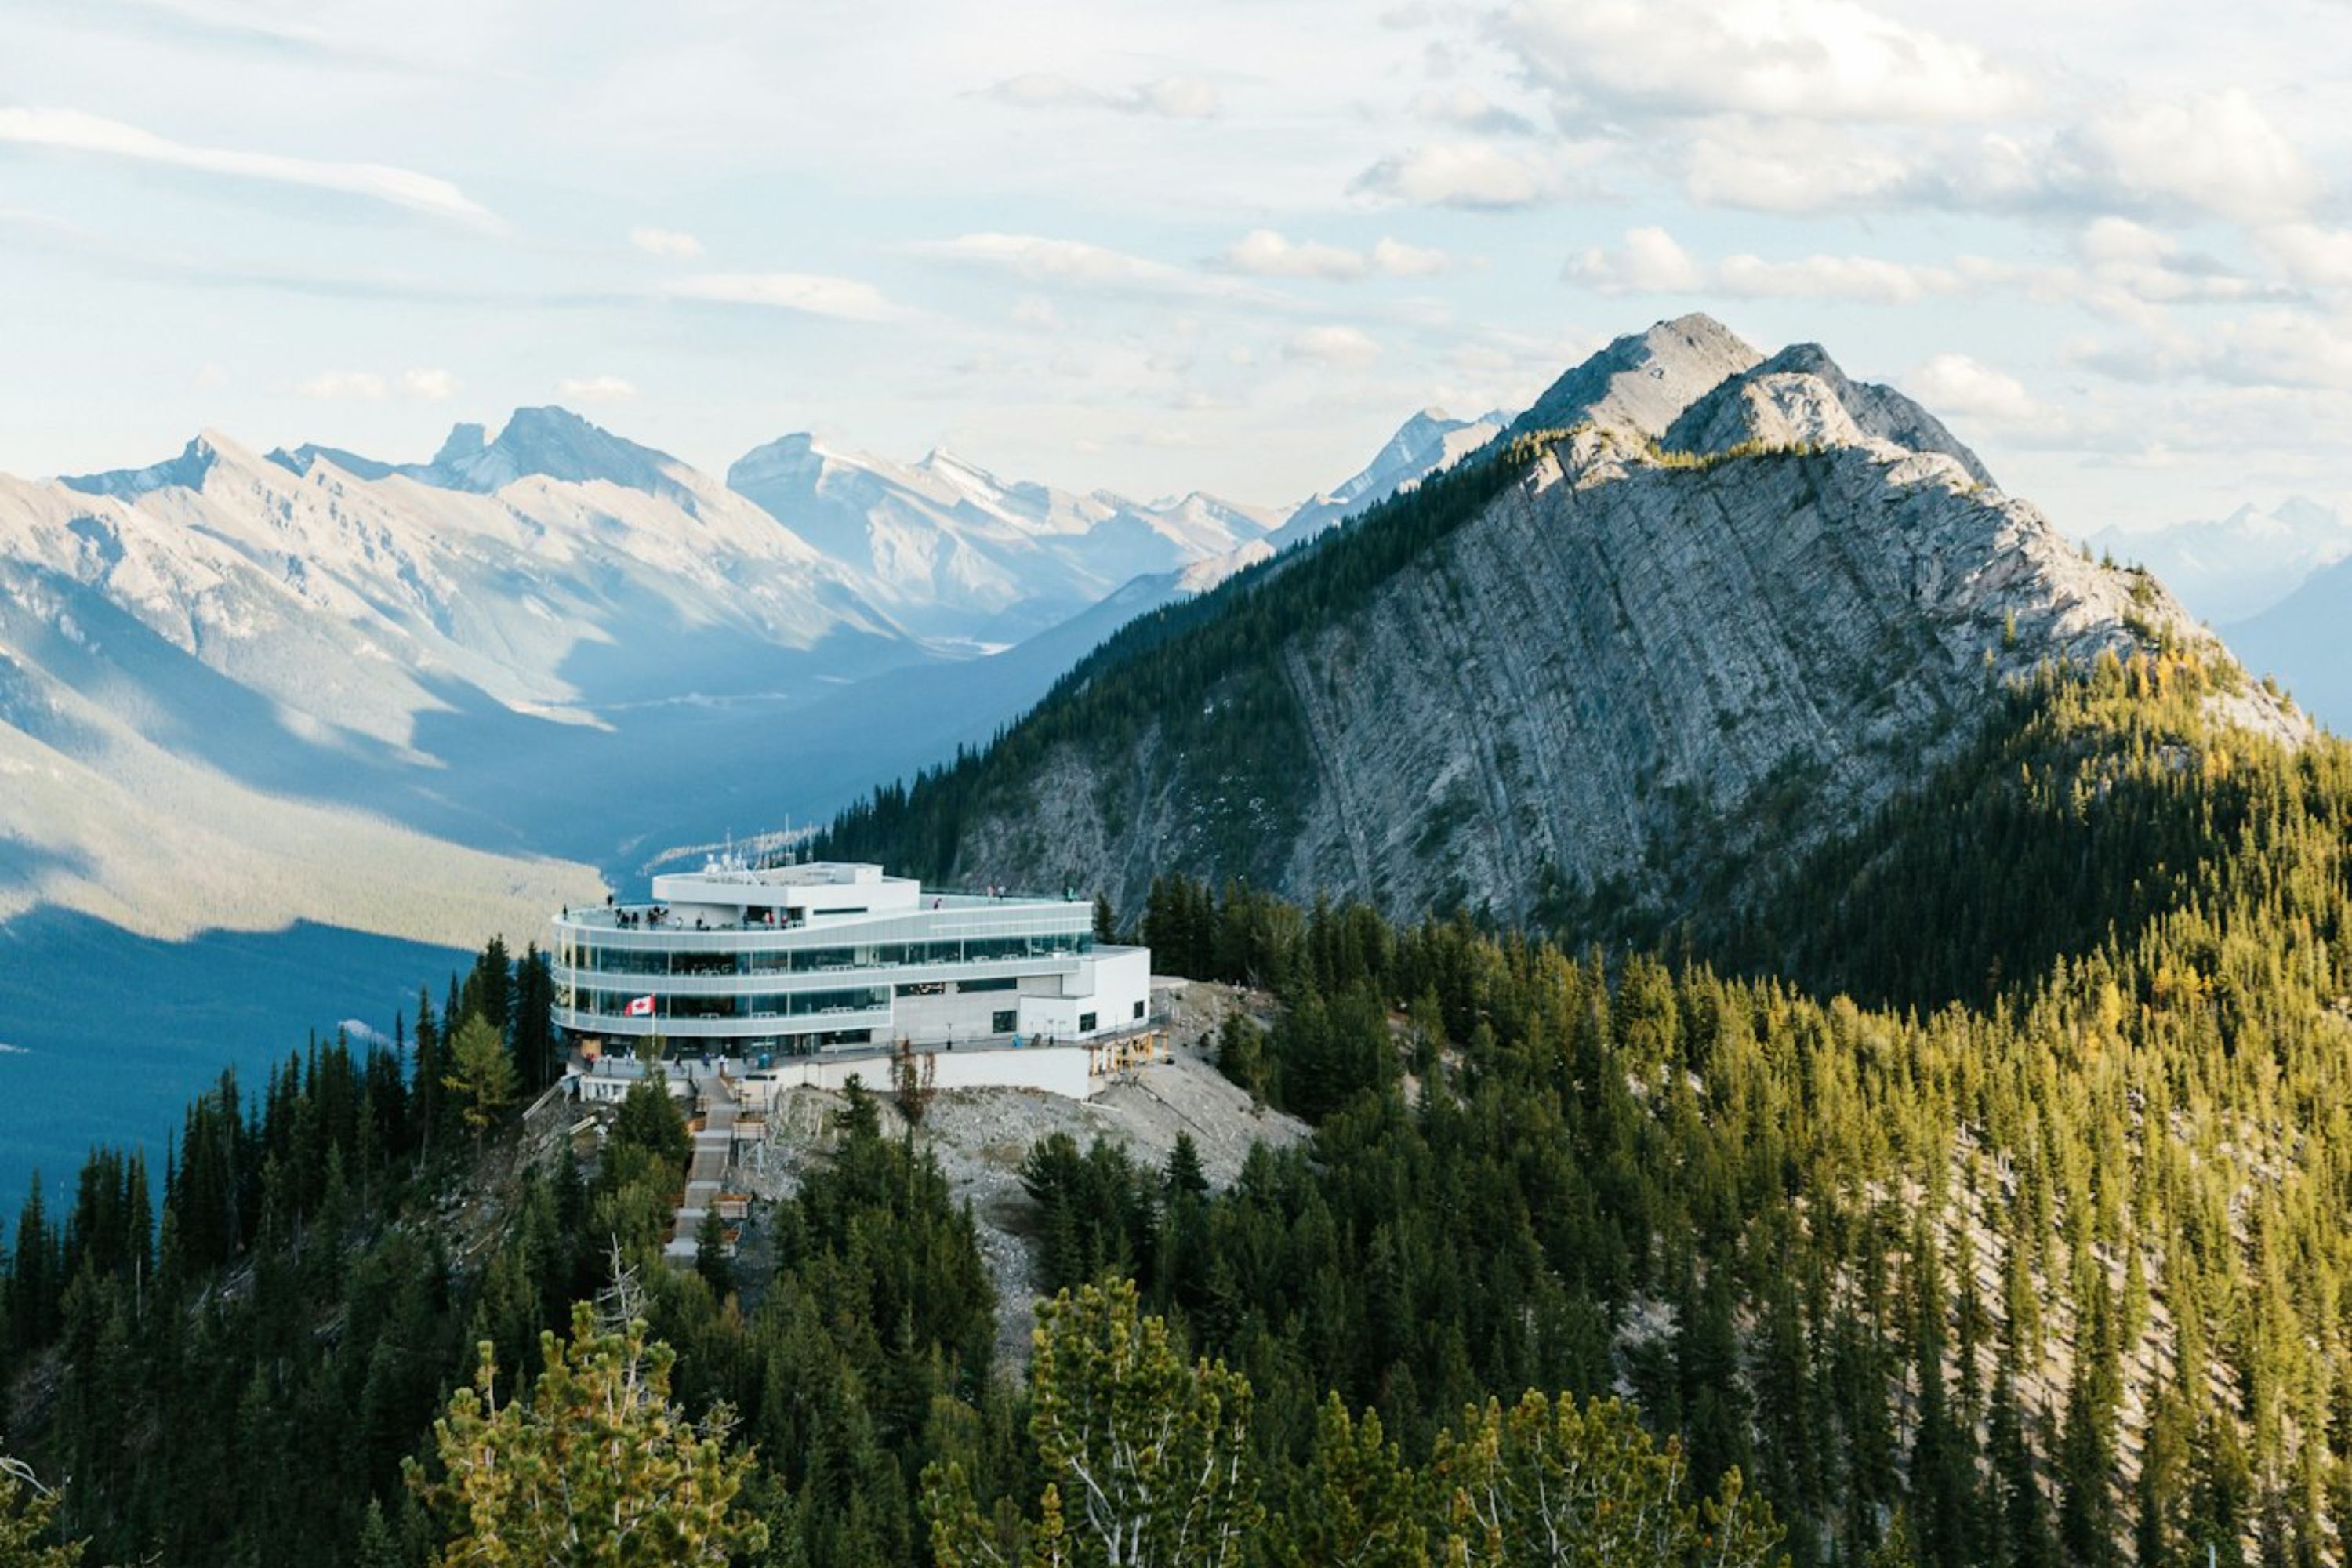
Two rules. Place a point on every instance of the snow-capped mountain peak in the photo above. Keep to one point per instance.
(1431, 441)
(956, 546)
(551, 443)
(185, 471)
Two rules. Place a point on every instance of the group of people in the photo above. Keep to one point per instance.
(652, 916)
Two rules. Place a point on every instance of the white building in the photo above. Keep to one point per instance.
(836, 957)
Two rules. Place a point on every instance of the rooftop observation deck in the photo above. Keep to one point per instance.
(650, 915)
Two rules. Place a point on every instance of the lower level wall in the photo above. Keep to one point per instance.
(1055, 1069)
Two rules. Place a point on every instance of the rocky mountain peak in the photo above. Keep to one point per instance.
(798, 453)
(1641, 381)
(465, 443)
(961, 472)
(186, 471)
(557, 444)
(299, 460)
(1801, 395)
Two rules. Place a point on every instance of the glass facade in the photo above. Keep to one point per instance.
(640, 960)
(718, 975)
(786, 1004)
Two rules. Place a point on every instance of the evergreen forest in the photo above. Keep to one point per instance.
(1982, 1195)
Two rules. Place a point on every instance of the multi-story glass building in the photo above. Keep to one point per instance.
(747, 961)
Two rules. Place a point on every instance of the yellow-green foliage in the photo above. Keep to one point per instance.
(595, 1467)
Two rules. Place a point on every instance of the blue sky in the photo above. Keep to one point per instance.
(1159, 247)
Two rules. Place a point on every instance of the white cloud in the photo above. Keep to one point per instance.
(1813, 60)
(1077, 264)
(1035, 311)
(2118, 241)
(2129, 267)
(666, 242)
(1956, 384)
(2217, 153)
(2126, 271)
(1341, 348)
(1788, 167)
(1398, 259)
(2314, 256)
(1466, 109)
(2282, 352)
(1043, 260)
(1175, 97)
(845, 299)
(595, 389)
(342, 385)
(1043, 90)
(1168, 97)
(1652, 261)
(1868, 280)
(367, 386)
(1263, 253)
(1460, 175)
(70, 129)
(2278, 348)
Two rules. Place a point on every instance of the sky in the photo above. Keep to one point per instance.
(1227, 245)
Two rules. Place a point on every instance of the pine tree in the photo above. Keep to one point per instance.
(1550, 1481)
(432, 1066)
(481, 1075)
(27, 1521)
(598, 1467)
(532, 1028)
(1146, 1461)
(711, 1259)
(1355, 1503)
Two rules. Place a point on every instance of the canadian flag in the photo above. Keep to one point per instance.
(638, 1007)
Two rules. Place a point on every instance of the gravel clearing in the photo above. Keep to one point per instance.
(981, 1136)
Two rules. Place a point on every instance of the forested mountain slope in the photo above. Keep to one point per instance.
(2058, 1280)
(1703, 611)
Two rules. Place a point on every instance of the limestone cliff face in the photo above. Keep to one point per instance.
(1632, 668)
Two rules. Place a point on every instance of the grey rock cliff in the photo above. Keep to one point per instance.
(1629, 670)
(1639, 384)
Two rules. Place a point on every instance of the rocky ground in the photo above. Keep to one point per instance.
(980, 1137)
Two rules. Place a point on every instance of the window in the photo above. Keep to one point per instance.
(1005, 1021)
(1139, 1009)
(1004, 984)
(1086, 1023)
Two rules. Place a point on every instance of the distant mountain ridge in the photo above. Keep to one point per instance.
(2232, 569)
(521, 644)
(2306, 639)
(1701, 609)
(948, 544)
(1429, 442)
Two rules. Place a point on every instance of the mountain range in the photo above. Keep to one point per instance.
(947, 546)
(243, 689)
